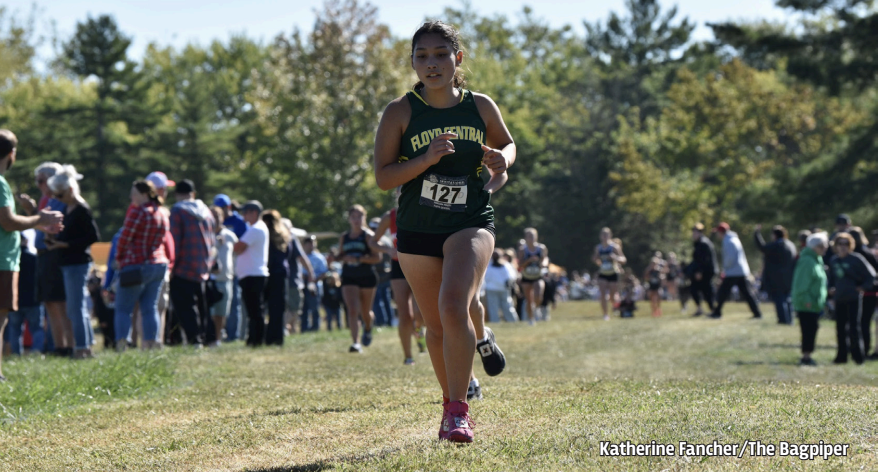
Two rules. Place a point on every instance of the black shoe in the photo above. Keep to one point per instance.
(493, 359)
(808, 361)
(367, 338)
(474, 392)
(697, 313)
(756, 317)
(840, 360)
(872, 357)
(714, 316)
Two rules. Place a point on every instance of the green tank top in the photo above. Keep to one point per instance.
(449, 196)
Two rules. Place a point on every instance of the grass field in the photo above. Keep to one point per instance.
(569, 384)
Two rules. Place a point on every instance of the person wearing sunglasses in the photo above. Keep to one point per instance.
(849, 276)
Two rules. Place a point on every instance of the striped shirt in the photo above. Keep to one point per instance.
(143, 235)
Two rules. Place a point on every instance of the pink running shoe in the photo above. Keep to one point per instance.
(456, 423)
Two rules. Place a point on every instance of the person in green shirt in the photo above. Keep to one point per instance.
(10, 239)
(809, 291)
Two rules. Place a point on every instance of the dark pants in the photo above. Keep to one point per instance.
(332, 313)
(847, 330)
(276, 298)
(190, 309)
(252, 299)
(725, 289)
(809, 323)
(311, 312)
(381, 304)
(702, 289)
(866, 320)
(783, 305)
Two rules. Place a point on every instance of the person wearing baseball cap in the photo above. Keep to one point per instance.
(231, 218)
(192, 225)
(161, 183)
(702, 269)
(736, 272)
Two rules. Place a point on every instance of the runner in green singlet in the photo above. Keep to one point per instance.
(449, 148)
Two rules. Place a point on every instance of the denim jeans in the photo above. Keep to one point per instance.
(34, 317)
(381, 305)
(499, 302)
(311, 314)
(147, 294)
(332, 314)
(77, 304)
(233, 323)
(783, 304)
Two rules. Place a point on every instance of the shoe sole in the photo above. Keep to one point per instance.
(458, 438)
(497, 351)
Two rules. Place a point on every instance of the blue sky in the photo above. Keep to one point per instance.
(180, 22)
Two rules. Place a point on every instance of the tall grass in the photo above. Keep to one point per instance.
(50, 386)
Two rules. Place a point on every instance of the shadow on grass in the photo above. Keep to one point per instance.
(328, 464)
(746, 363)
(794, 346)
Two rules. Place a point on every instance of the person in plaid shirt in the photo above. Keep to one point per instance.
(192, 225)
(141, 248)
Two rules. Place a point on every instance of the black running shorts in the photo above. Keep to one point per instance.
(609, 278)
(363, 281)
(396, 271)
(428, 244)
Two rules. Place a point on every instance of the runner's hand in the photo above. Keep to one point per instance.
(440, 147)
(50, 218)
(494, 160)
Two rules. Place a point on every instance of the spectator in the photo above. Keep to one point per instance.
(140, 256)
(849, 276)
(251, 267)
(28, 306)
(50, 280)
(192, 225)
(161, 183)
(777, 270)
(861, 247)
(299, 266)
(102, 311)
(803, 239)
(842, 225)
(332, 300)
(235, 222)
(280, 249)
(381, 303)
(702, 269)
(74, 246)
(10, 240)
(809, 291)
(499, 279)
(314, 287)
(223, 274)
(736, 272)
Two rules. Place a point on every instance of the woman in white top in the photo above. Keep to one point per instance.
(223, 273)
(499, 279)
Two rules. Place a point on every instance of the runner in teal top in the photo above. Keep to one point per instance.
(449, 149)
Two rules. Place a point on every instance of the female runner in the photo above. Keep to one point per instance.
(534, 260)
(608, 255)
(449, 148)
(358, 278)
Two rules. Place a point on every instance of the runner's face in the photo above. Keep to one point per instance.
(435, 61)
(355, 218)
(605, 236)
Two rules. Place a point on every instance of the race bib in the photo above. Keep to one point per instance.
(444, 193)
(607, 265)
(533, 271)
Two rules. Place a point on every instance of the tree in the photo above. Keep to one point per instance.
(98, 51)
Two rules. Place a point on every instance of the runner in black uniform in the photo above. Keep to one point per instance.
(449, 149)
(533, 258)
(358, 279)
(609, 257)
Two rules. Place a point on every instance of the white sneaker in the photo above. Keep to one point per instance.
(356, 347)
